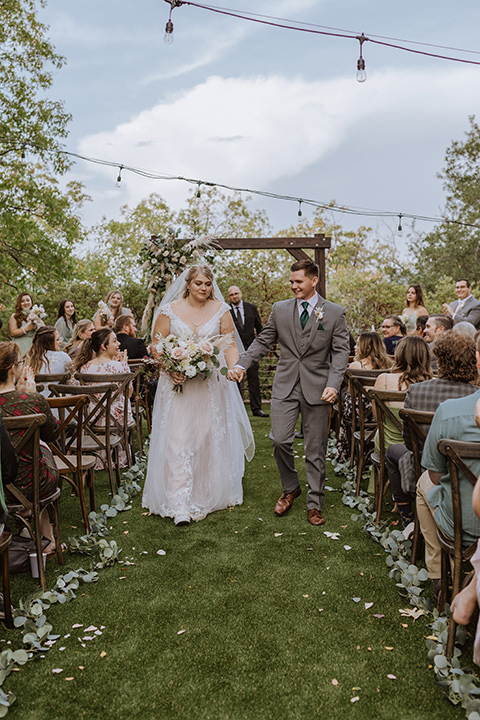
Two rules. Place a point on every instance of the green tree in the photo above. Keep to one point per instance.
(38, 224)
(452, 248)
(222, 215)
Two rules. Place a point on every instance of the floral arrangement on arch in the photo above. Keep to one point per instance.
(164, 259)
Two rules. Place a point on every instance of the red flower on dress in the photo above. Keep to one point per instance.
(17, 412)
(23, 396)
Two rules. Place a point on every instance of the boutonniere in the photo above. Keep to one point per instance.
(319, 313)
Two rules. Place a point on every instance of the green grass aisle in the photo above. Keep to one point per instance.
(246, 615)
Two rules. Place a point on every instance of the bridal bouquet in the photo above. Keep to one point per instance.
(191, 356)
(104, 312)
(36, 314)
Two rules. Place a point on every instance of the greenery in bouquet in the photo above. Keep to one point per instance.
(164, 259)
(191, 356)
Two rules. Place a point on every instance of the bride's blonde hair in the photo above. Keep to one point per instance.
(192, 274)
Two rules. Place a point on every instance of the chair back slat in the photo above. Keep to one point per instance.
(416, 424)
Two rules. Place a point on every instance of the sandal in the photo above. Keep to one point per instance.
(53, 553)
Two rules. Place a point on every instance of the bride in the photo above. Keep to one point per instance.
(200, 435)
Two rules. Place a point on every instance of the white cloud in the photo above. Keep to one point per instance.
(251, 132)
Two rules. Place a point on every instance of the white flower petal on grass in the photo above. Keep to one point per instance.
(90, 628)
(347, 547)
(354, 699)
(392, 677)
(368, 605)
(332, 536)
(356, 599)
(161, 552)
(180, 632)
(277, 534)
(57, 670)
(335, 682)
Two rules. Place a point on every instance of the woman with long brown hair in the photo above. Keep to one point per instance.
(20, 328)
(45, 356)
(415, 307)
(66, 321)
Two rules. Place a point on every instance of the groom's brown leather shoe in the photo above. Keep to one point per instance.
(285, 501)
(315, 517)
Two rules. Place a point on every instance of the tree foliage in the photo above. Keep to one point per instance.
(38, 225)
(453, 248)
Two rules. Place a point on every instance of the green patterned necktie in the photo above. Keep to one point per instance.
(304, 316)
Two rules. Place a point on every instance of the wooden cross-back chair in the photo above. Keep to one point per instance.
(362, 424)
(140, 404)
(380, 400)
(44, 380)
(456, 453)
(97, 439)
(415, 425)
(72, 464)
(30, 426)
(121, 386)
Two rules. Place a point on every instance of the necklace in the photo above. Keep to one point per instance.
(203, 316)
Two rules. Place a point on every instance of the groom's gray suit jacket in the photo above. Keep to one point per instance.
(316, 356)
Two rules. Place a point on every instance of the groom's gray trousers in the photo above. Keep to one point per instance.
(284, 414)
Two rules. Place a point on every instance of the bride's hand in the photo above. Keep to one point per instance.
(178, 378)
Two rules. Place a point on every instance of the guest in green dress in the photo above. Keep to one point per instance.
(66, 322)
(114, 301)
(22, 330)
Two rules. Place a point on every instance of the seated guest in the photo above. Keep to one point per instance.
(464, 328)
(66, 322)
(126, 331)
(370, 354)
(412, 365)
(457, 371)
(454, 419)
(414, 308)
(45, 356)
(394, 330)
(18, 397)
(420, 325)
(466, 307)
(435, 327)
(100, 355)
(82, 330)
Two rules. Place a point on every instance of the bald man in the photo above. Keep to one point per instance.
(249, 325)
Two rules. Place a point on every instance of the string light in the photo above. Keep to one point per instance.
(400, 228)
(347, 34)
(119, 177)
(361, 73)
(198, 193)
(168, 37)
(333, 207)
(299, 213)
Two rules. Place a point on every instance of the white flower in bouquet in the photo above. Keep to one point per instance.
(36, 314)
(178, 353)
(190, 371)
(104, 312)
(202, 365)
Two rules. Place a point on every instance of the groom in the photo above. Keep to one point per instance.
(314, 348)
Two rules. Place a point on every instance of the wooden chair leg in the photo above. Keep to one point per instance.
(53, 514)
(117, 470)
(39, 549)
(416, 541)
(91, 487)
(7, 600)
(445, 569)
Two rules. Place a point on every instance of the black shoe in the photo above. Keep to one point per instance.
(260, 413)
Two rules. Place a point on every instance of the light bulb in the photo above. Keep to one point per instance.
(168, 37)
(119, 178)
(299, 213)
(361, 72)
(400, 228)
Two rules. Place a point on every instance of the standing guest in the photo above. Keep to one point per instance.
(18, 397)
(126, 331)
(394, 330)
(100, 355)
(248, 323)
(82, 330)
(466, 307)
(414, 308)
(66, 322)
(457, 373)
(20, 328)
(420, 325)
(314, 347)
(114, 303)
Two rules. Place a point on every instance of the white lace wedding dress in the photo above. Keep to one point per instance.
(199, 440)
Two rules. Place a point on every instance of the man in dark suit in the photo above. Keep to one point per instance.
(249, 325)
(126, 331)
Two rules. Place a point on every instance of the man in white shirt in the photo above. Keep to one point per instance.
(466, 308)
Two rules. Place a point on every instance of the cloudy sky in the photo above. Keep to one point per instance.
(247, 105)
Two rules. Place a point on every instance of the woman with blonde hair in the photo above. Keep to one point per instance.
(110, 310)
(201, 435)
(370, 353)
(82, 330)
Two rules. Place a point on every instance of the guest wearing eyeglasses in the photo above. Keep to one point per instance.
(394, 330)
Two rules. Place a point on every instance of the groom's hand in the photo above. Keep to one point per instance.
(329, 395)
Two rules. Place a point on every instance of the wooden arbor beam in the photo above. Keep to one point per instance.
(294, 245)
